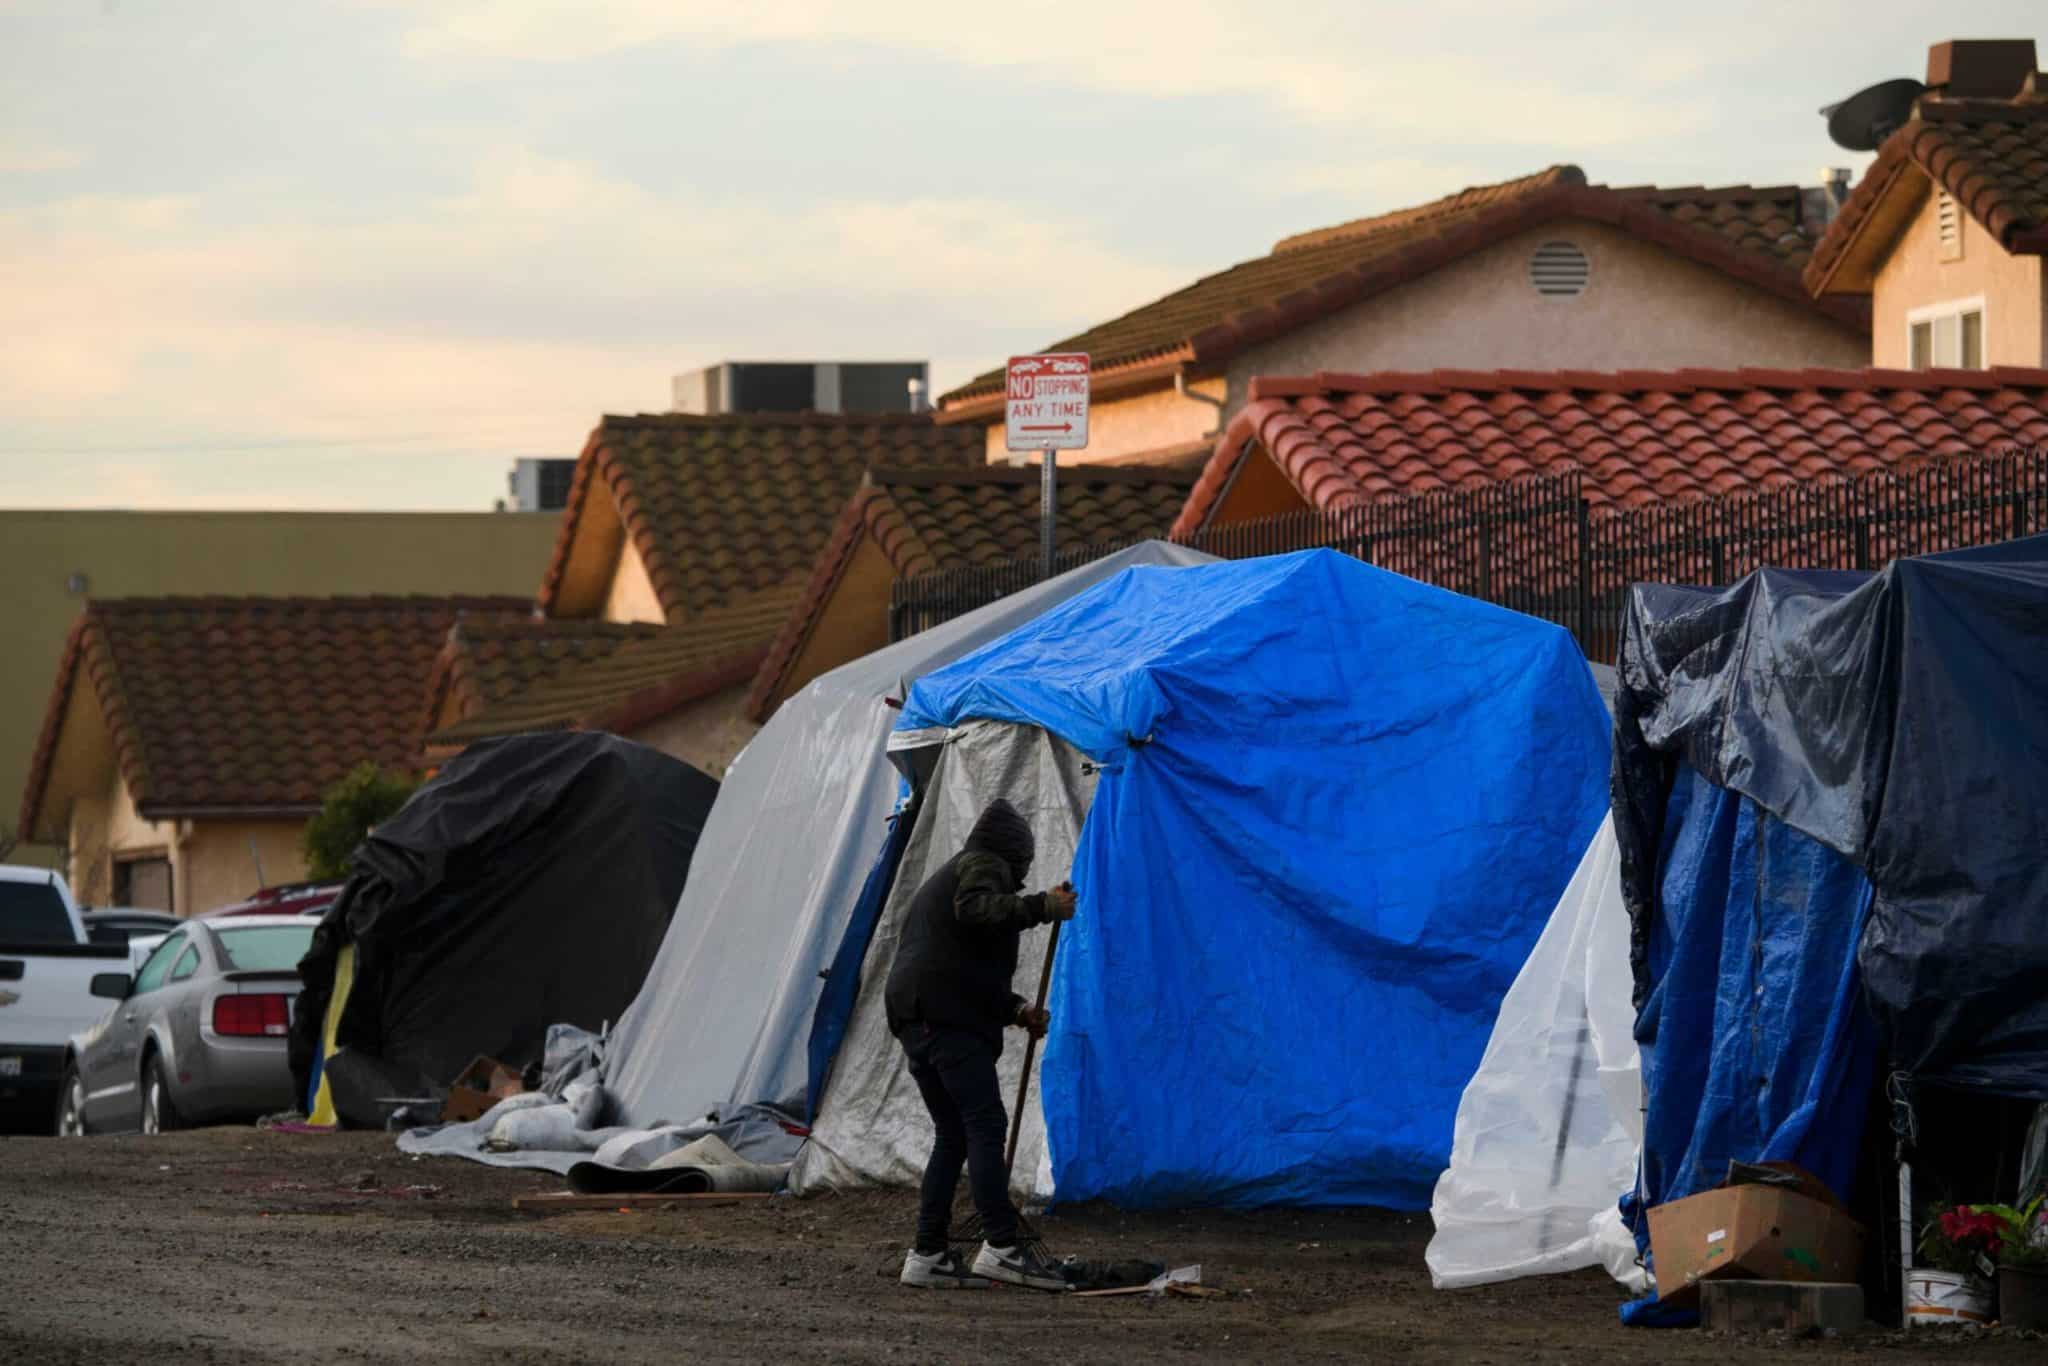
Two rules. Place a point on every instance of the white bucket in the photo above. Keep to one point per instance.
(1944, 1297)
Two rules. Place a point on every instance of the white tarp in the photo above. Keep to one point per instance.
(872, 1128)
(1548, 1129)
(725, 1015)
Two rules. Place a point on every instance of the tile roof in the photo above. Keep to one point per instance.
(1991, 155)
(719, 507)
(925, 520)
(484, 663)
(1765, 221)
(576, 675)
(1345, 441)
(1754, 234)
(251, 703)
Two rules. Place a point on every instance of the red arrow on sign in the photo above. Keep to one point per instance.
(1063, 427)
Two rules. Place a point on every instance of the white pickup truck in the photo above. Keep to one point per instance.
(47, 966)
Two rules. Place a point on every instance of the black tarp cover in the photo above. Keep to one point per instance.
(1901, 719)
(529, 883)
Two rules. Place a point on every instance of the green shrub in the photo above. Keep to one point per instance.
(349, 810)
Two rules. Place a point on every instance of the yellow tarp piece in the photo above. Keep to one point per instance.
(344, 978)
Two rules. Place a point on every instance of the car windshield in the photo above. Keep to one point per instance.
(33, 913)
(266, 948)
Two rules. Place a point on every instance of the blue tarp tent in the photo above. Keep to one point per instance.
(1334, 808)
(1830, 815)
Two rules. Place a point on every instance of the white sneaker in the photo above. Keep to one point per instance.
(1020, 1265)
(939, 1271)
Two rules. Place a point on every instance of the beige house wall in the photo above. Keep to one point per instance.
(218, 862)
(709, 733)
(213, 863)
(852, 621)
(631, 596)
(1915, 276)
(1643, 308)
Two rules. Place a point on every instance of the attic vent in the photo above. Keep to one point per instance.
(1948, 218)
(1559, 270)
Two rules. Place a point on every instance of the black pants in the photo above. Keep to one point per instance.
(955, 1072)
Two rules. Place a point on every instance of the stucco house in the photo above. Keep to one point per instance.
(1546, 272)
(1948, 230)
(187, 740)
(54, 561)
(908, 522)
(686, 542)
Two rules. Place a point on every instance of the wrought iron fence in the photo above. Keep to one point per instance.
(1535, 546)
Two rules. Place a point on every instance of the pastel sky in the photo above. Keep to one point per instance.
(363, 254)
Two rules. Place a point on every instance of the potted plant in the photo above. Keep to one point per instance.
(2023, 1264)
(1959, 1249)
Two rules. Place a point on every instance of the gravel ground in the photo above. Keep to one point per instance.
(234, 1245)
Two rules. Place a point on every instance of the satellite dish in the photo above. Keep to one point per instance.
(1864, 120)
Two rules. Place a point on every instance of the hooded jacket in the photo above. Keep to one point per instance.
(958, 950)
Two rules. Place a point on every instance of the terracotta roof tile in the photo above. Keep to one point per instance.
(720, 507)
(1755, 234)
(484, 663)
(925, 520)
(559, 675)
(254, 703)
(1992, 155)
(1349, 440)
(1765, 220)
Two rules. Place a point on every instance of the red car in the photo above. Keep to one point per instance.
(298, 898)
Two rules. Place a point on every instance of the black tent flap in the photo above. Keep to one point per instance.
(529, 883)
(1901, 719)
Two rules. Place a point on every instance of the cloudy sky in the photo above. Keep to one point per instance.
(342, 255)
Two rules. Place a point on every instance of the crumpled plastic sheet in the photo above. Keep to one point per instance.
(1549, 1127)
(546, 1133)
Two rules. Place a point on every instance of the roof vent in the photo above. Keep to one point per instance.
(1948, 220)
(1559, 270)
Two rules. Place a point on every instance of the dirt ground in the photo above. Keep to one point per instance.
(236, 1245)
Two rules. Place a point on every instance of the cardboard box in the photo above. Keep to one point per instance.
(483, 1083)
(1759, 1232)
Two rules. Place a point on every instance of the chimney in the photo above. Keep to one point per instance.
(915, 386)
(1980, 68)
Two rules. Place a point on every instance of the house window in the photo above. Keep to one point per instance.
(1946, 336)
(144, 883)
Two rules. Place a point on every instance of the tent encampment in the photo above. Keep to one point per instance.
(527, 884)
(1830, 805)
(1317, 814)
(1829, 808)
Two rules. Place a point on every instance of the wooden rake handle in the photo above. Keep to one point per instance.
(1052, 944)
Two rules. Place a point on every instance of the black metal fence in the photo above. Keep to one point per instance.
(1535, 546)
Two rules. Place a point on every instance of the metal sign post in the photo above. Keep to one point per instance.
(1045, 409)
(1048, 509)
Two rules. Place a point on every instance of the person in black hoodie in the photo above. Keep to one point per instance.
(949, 1000)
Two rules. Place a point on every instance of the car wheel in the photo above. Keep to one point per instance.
(159, 1112)
(71, 1105)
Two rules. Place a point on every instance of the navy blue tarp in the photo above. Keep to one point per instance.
(1900, 719)
(842, 979)
(1756, 1042)
(1336, 807)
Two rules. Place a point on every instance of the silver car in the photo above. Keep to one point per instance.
(198, 1033)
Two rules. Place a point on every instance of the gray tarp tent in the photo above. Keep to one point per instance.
(725, 1015)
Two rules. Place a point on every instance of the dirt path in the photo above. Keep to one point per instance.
(232, 1245)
